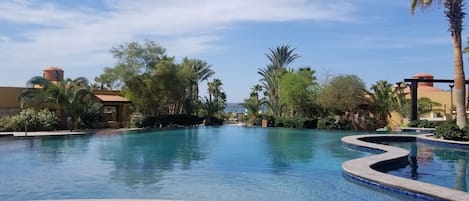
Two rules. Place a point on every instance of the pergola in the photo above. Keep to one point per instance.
(413, 92)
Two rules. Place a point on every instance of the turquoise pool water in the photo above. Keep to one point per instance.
(436, 165)
(200, 164)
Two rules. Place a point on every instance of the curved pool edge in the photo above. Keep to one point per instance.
(427, 138)
(108, 200)
(361, 170)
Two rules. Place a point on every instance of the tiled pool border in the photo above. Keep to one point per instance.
(361, 169)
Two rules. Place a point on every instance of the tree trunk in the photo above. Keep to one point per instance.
(459, 81)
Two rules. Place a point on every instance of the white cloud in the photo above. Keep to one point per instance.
(73, 37)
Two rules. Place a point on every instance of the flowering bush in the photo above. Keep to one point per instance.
(42, 120)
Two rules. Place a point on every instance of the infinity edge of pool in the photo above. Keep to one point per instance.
(361, 169)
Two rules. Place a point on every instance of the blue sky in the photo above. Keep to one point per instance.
(376, 40)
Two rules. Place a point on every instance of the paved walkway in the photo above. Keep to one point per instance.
(65, 132)
(45, 133)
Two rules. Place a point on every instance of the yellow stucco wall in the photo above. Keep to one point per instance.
(9, 97)
(442, 97)
(9, 103)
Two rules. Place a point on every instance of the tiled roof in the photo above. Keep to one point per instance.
(111, 98)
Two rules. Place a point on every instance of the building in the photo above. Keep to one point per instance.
(428, 90)
(116, 113)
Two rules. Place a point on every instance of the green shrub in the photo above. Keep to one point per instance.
(42, 120)
(169, 120)
(213, 121)
(344, 124)
(92, 114)
(327, 123)
(450, 131)
(310, 123)
(422, 124)
(292, 122)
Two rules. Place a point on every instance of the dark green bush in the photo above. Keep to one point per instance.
(327, 123)
(168, 120)
(422, 124)
(450, 131)
(345, 124)
(92, 115)
(213, 121)
(310, 123)
(292, 122)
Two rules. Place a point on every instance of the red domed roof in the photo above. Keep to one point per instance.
(423, 75)
(53, 68)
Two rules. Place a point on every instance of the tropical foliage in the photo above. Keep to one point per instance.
(450, 131)
(213, 106)
(344, 95)
(159, 86)
(279, 59)
(253, 105)
(67, 97)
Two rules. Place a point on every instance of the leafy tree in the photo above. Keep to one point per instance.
(344, 95)
(132, 59)
(107, 80)
(298, 90)
(455, 15)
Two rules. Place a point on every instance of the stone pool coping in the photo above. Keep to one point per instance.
(361, 169)
(68, 132)
(109, 200)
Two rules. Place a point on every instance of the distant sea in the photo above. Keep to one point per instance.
(234, 108)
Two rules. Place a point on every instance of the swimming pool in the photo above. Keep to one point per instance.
(200, 164)
(436, 165)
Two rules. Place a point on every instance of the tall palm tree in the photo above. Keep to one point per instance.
(201, 72)
(455, 15)
(279, 58)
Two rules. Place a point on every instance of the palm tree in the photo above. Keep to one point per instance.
(253, 103)
(256, 89)
(68, 96)
(282, 56)
(382, 100)
(279, 59)
(214, 89)
(252, 106)
(201, 72)
(455, 15)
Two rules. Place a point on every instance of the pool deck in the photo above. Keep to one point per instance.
(65, 132)
(110, 200)
(361, 169)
